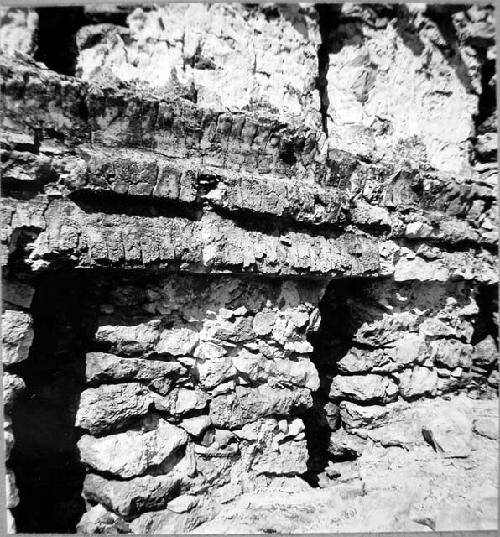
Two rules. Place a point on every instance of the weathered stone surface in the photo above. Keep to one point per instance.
(215, 371)
(451, 353)
(197, 425)
(111, 406)
(13, 386)
(177, 342)
(288, 458)
(128, 498)
(450, 434)
(12, 496)
(133, 452)
(249, 404)
(263, 323)
(417, 381)
(274, 447)
(406, 350)
(487, 427)
(280, 372)
(103, 367)
(369, 119)
(168, 522)
(17, 30)
(182, 503)
(181, 401)
(17, 336)
(129, 339)
(485, 352)
(220, 66)
(364, 388)
(345, 445)
(99, 520)
(354, 416)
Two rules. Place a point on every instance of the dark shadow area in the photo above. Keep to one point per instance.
(487, 301)
(108, 202)
(328, 15)
(451, 52)
(341, 316)
(57, 28)
(276, 226)
(45, 458)
(486, 120)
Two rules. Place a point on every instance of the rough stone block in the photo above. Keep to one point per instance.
(131, 453)
(17, 336)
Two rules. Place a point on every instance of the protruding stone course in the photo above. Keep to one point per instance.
(158, 375)
(248, 404)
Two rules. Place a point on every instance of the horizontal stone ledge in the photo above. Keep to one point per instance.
(111, 407)
(93, 175)
(69, 235)
(138, 181)
(77, 112)
(158, 374)
(429, 263)
(62, 233)
(67, 109)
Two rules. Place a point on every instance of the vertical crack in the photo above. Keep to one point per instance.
(328, 21)
(331, 342)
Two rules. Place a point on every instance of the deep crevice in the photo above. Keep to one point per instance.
(107, 202)
(487, 302)
(274, 225)
(331, 342)
(57, 29)
(328, 22)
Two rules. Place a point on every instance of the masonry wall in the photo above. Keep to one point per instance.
(233, 253)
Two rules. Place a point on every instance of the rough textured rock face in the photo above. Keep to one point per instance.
(250, 259)
(225, 56)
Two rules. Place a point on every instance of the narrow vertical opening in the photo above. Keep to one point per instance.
(45, 458)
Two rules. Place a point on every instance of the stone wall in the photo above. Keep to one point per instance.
(195, 394)
(388, 347)
(17, 337)
(245, 247)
